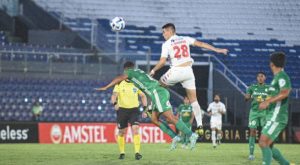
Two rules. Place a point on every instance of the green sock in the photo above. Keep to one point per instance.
(278, 157)
(166, 129)
(182, 127)
(267, 155)
(187, 140)
(251, 144)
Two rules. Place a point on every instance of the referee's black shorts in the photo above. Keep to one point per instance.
(127, 115)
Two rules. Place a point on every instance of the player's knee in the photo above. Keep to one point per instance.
(172, 119)
(121, 132)
(163, 84)
(135, 129)
(252, 132)
(154, 121)
(262, 143)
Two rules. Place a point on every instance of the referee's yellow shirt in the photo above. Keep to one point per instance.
(128, 94)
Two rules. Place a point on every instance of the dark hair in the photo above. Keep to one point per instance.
(261, 72)
(128, 64)
(217, 94)
(169, 25)
(278, 59)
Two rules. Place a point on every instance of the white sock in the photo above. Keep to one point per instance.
(219, 136)
(197, 113)
(213, 137)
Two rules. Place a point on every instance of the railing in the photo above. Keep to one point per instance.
(96, 64)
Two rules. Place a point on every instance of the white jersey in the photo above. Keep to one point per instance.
(177, 48)
(215, 109)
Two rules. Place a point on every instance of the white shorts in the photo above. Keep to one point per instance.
(183, 75)
(217, 125)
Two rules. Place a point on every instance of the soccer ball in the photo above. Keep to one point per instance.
(200, 131)
(117, 24)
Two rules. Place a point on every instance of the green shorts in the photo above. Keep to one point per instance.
(256, 119)
(160, 100)
(273, 129)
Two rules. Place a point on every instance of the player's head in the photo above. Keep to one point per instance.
(261, 77)
(128, 65)
(168, 30)
(186, 100)
(277, 60)
(217, 98)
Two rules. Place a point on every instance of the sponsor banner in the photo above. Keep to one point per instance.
(231, 134)
(18, 133)
(63, 133)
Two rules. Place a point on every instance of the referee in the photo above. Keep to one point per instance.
(125, 99)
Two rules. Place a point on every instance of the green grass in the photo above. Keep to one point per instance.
(98, 154)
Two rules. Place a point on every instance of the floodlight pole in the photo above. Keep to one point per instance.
(148, 59)
(117, 46)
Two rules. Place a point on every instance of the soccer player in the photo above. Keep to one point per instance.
(216, 109)
(125, 99)
(177, 48)
(185, 113)
(160, 102)
(258, 93)
(277, 110)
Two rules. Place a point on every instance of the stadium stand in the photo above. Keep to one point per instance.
(62, 100)
(249, 29)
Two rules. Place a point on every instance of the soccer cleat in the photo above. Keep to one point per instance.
(175, 140)
(138, 156)
(251, 157)
(193, 140)
(122, 156)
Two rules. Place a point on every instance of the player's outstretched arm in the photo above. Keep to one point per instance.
(143, 99)
(113, 82)
(158, 66)
(282, 95)
(210, 47)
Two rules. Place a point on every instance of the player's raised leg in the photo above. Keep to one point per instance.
(181, 127)
(192, 95)
(162, 124)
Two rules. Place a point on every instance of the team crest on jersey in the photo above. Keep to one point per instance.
(281, 82)
(134, 90)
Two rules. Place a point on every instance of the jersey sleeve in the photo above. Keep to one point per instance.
(190, 40)
(249, 90)
(209, 108)
(223, 107)
(116, 89)
(284, 82)
(164, 51)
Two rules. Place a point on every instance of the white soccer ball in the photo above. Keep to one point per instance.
(117, 24)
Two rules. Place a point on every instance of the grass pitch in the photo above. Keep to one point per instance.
(156, 154)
